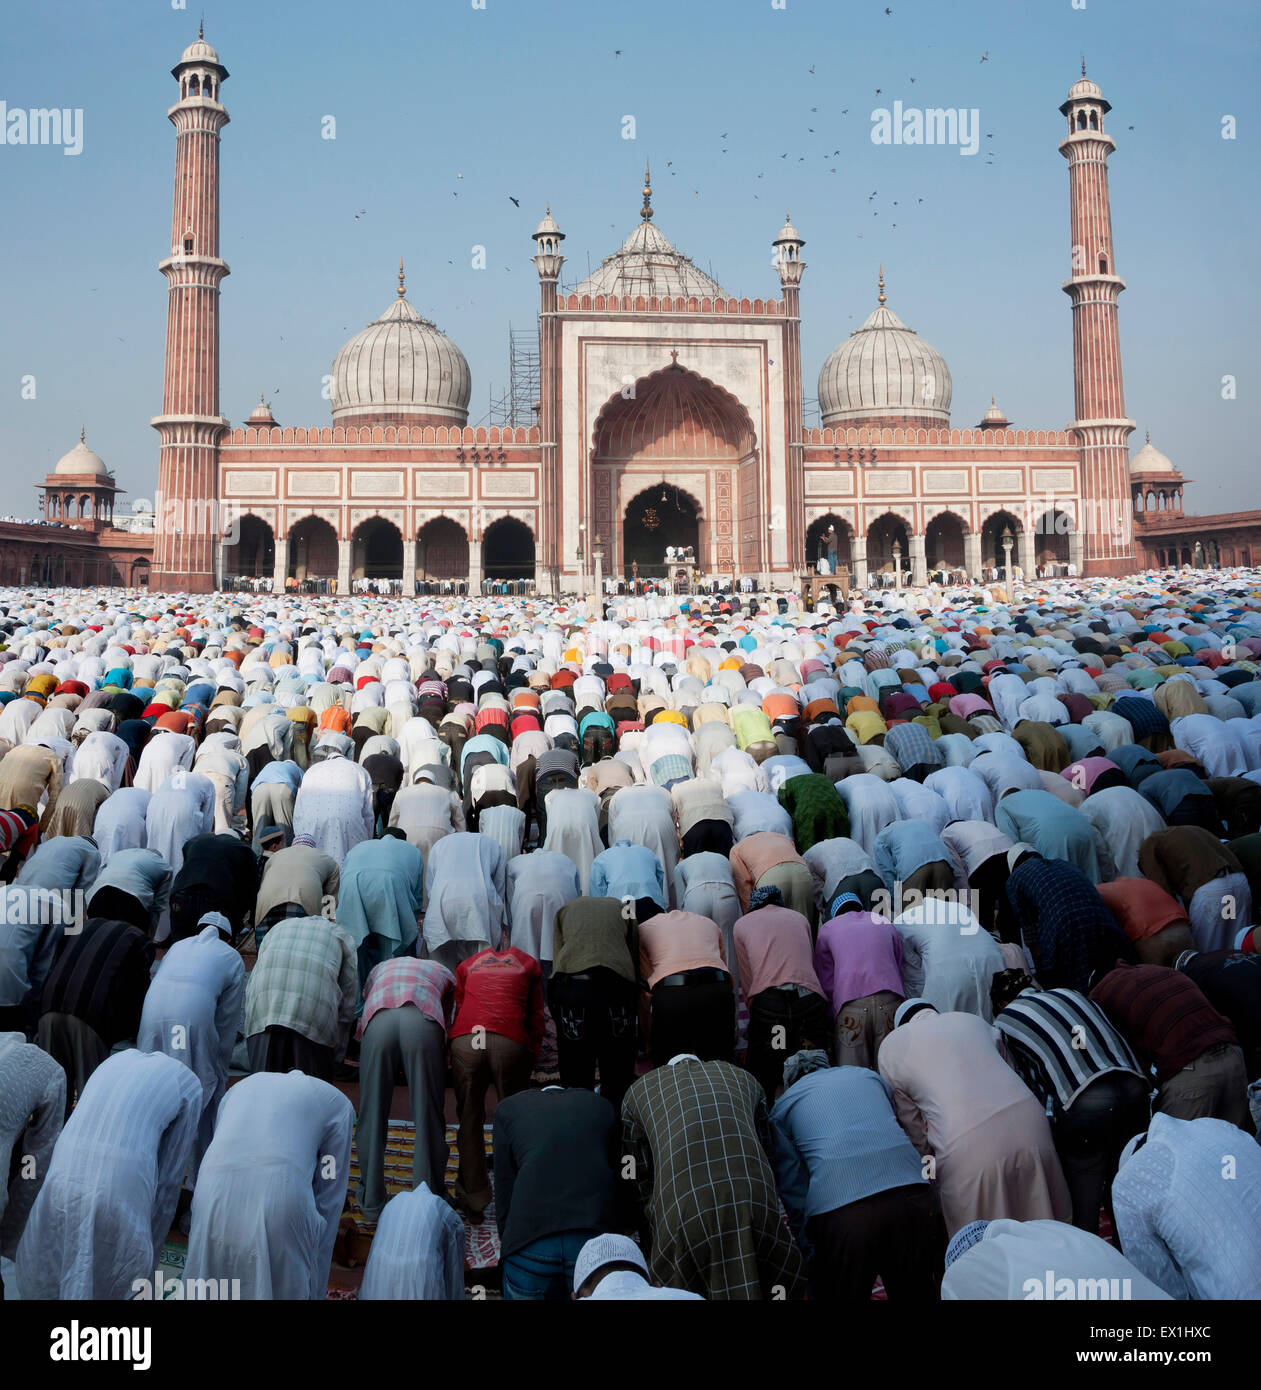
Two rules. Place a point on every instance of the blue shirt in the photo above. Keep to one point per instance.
(836, 1141)
(627, 870)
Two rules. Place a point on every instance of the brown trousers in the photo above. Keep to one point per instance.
(479, 1061)
(1214, 1085)
(862, 1025)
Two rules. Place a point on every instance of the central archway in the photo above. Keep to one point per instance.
(377, 550)
(312, 549)
(677, 430)
(508, 550)
(656, 518)
(442, 551)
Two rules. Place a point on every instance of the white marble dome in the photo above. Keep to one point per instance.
(1149, 459)
(199, 51)
(401, 364)
(884, 369)
(81, 461)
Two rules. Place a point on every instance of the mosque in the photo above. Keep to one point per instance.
(669, 413)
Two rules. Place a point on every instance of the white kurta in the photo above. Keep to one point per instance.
(193, 1011)
(101, 757)
(272, 1186)
(334, 806)
(539, 885)
(164, 754)
(417, 1251)
(113, 1183)
(645, 816)
(573, 828)
(32, 1107)
(177, 811)
(465, 882)
(948, 958)
(1011, 1261)
(121, 822)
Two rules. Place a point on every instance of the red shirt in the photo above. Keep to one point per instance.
(502, 992)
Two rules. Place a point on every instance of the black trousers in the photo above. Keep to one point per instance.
(281, 1049)
(897, 1234)
(989, 882)
(865, 884)
(708, 836)
(781, 1021)
(699, 1018)
(595, 1015)
(1090, 1135)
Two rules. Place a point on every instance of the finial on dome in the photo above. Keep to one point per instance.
(401, 290)
(201, 27)
(1149, 436)
(646, 211)
(83, 433)
(1083, 65)
(881, 298)
(993, 401)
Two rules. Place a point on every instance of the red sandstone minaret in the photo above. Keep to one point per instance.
(1099, 394)
(188, 529)
(548, 261)
(789, 266)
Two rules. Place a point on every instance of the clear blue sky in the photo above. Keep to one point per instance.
(526, 98)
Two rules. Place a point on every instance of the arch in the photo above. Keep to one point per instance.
(1050, 540)
(442, 551)
(1094, 120)
(881, 535)
(508, 549)
(85, 508)
(992, 538)
(376, 550)
(312, 549)
(817, 547)
(1081, 120)
(140, 573)
(253, 554)
(660, 516)
(943, 541)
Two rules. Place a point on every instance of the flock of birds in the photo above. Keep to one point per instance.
(833, 169)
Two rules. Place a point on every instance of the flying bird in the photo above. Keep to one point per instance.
(985, 57)
(617, 52)
(516, 202)
(877, 91)
(811, 67)
(888, 11)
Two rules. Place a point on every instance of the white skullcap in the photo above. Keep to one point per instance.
(606, 1250)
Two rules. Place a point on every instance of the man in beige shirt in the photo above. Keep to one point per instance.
(764, 859)
(27, 772)
(300, 881)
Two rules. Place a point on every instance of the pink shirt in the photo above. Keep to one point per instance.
(672, 942)
(773, 948)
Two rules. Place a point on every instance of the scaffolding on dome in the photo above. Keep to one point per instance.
(519, 404)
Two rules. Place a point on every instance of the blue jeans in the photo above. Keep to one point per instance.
(544, 1270)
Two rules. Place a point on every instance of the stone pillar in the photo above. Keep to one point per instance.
(343, 566)
(919, 563)
(281, 568)
(860, 572)
(221, 564)
(972, 554)
(599, 574)
(409, 568)
(1075, 550)
(475, 566)
(1026, 558)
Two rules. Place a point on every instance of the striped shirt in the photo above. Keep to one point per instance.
(1059, 1041)
(101, 977)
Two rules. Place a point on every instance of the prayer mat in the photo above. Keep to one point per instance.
(482, 1240)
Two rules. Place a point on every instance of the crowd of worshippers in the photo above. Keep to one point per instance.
(904, 952)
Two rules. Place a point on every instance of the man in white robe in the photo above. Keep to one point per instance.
(272, 1186)
(193, 1011)
(165, 754)
(111, 1189)
(121, 821)
(417, 1250)
(32, 1107)
(465, 884)
(334, 803)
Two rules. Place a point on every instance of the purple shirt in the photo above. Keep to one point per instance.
(857, 955)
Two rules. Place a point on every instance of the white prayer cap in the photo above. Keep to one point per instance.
(606, 1250)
